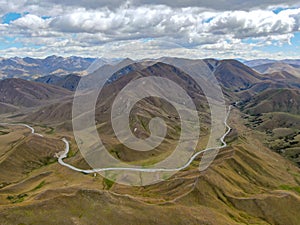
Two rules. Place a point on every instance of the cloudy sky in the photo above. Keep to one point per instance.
(151, 28)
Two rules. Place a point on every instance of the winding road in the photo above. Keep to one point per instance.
(67, 149)
(22, 125)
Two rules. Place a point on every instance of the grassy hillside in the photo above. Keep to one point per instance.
(279, 131)
(247, 184)
(274, 100)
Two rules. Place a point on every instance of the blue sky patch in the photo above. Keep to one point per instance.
(9, 17)
(280, 9)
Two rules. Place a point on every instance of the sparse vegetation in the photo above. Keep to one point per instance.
(50, 130)
(17, 198)
(280, 132)
(3, 132)
(39, 186)
(48, 160)
(71, 152)
(290, 188)
(108, 183)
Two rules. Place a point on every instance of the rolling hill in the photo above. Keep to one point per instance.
(22, 93)
(278, 67)
(260, 62)
(248, 182)
(60, 113)
(235, 76)
(274, 100)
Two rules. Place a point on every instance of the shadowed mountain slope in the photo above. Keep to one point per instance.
(236, 76)
(68, 82)
(24, 93)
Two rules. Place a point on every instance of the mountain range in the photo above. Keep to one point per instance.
(31, 68)
(254, 180)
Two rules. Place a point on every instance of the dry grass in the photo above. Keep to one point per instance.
(246, 184)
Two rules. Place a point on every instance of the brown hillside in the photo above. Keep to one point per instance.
(275, 100)
(236, 76)
(23, 93)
